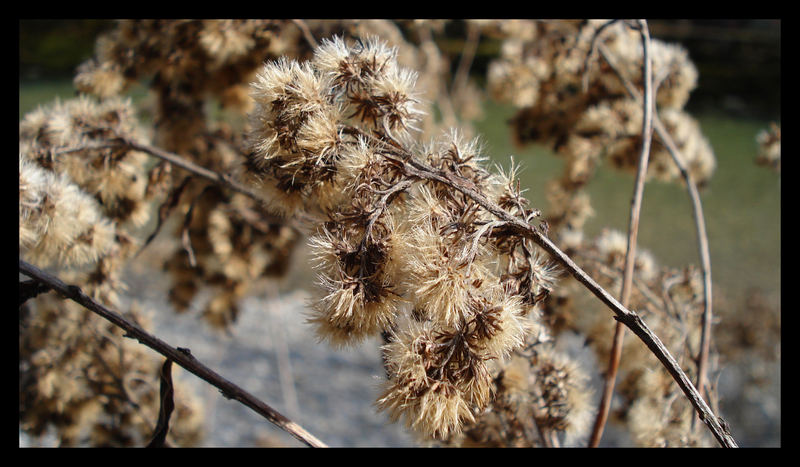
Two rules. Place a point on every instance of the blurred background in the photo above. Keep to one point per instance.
(738, 95)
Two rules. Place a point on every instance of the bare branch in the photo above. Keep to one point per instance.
(306, 32)
(31, 289)
(633, 233)
(467, 56)
(593, 45)
(180, 356)
(699, 218)
(174, 159)
(167, 405)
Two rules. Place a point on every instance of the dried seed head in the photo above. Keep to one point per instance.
(418, 391)
(496, 325)
(442, 280)
(564, 397)
(397, 103)
(769, 146)
(59, 223)
(225, 40)
(357, 298)
(102, 79)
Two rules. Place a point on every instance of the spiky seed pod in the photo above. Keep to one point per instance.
(462, 157)
(353, 68)
(442, 280)
(418, 390)
(367, 79)
(357, 298)
(565, 401)
(425, 208)
(531, 279)
(503, 187)
(496, 324)
(398, 106)
(102, 79)
(225, 40)
(294, 133)
(286, 94)
(362, 172)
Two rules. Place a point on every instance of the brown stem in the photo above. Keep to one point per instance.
(180, 356)
(699, 218)
(443, 97)
(633, 232)
(218, 178)
(592, 47)
(306, 32)
(467, 56)
(174, 159)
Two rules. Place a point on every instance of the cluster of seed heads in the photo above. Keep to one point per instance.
(467, 309)
(429, 269)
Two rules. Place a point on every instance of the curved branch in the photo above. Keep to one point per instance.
(306, 32)
(467, 56)
(180, 356)
(633, 233)
(699, 219)
(221, 179)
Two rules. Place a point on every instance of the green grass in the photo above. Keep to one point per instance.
(35, 93)
(31, 95)
(742, 203)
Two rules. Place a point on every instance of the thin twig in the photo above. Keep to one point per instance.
(174, 159)
(223, 180)
(31, 289)
(592, 47)
(167, 406)
(633, 232)
(180, 356)
(163, 210)
(186, 240)
(443, 97)
(699, 219)
(467, 56)
(306, 32)
(285, 374)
